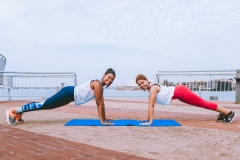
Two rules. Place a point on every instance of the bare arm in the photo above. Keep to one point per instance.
(98, 93)
(148, 114)
(152, 99)
(103, 111)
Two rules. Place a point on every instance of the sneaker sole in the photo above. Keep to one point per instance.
(232, 119)
(19, 122)
(8, 119)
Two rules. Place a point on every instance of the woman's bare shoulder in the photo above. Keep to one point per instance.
(155, 88)
(95, 84)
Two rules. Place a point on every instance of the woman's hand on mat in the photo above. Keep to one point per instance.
(145, 124)
(143, 119)
(107, 123)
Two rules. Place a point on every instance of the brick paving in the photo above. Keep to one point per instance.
(18, 144)
(43, 135)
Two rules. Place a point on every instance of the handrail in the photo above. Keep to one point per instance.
(37, 72)
(11, 73)
(199, 74)
(197, 71)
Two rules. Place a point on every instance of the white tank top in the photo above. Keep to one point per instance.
(84, 93)
(164, 97)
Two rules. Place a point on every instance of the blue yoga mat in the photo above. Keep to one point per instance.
(122, 122)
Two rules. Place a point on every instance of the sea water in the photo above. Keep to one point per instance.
(111, 93)
(222, 96)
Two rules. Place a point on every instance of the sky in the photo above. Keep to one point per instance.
(131, 36)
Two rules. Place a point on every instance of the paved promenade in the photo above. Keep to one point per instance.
(43, 135)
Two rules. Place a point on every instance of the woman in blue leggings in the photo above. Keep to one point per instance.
(80, 94)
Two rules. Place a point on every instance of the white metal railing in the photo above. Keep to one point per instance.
(3, 61)
(218, 84)
(19, 85)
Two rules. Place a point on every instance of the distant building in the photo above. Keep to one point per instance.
(195, 85)
(222, 84)
(131, 86)
(166, 83)
(213, 85)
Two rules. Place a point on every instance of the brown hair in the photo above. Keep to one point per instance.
(140, 77)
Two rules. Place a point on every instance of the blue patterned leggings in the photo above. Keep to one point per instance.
(63, 97)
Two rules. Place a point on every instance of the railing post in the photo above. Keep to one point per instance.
(57, 89)
(75, 79)
(237, 86)
(200, 89)
(9, 94)
(8, 84)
